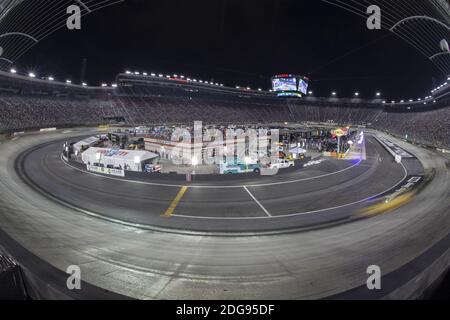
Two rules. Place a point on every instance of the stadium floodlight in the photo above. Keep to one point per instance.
(68, 81)
(32, 75)
(114, 85)
(51, 78)
(13, 70)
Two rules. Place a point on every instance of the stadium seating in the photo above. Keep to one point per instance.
(154, 105)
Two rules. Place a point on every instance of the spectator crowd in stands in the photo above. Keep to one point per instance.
(21, 112)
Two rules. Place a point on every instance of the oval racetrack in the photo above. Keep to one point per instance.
(324, 193)
(124, 245)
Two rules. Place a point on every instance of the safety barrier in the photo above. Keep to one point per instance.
(397, 157)
(12, 286)
(172, 177)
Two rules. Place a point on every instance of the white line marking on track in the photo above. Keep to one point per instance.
(257, 202)
(300, 213)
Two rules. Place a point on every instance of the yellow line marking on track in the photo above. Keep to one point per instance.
(175, 202)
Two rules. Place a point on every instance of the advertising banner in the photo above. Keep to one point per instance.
(109, 171)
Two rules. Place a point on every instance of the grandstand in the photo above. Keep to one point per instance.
(27, 103)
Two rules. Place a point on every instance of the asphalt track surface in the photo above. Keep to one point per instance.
(324, 193)
(149, 264)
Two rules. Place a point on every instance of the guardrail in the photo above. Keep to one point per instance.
(397, 158)
(164, 177)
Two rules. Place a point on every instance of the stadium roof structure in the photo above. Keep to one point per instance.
(424, 24)
(23, 23)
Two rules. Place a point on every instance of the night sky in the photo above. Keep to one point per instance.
(238, 42)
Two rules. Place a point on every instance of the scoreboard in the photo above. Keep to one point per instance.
(288, 83)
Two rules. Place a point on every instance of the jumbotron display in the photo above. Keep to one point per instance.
(288, 83)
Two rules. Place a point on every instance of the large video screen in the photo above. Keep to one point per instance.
(303, 86)
(284, 84)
